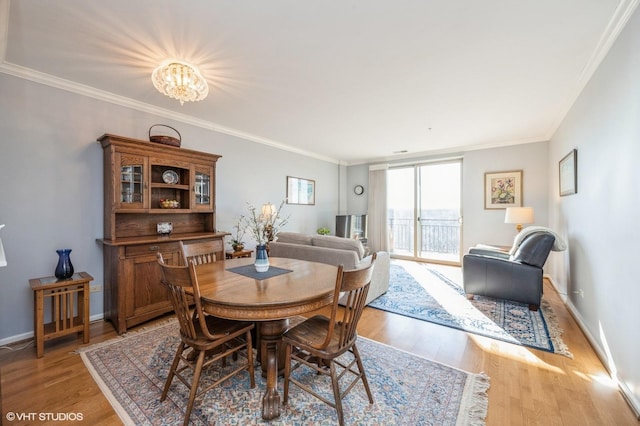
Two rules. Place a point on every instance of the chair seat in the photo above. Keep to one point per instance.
(311, 333)
(225, 329)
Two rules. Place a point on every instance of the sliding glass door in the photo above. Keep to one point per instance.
(424, 211)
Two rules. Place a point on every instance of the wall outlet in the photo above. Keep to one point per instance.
(95, 288)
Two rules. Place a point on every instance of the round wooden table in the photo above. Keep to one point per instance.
(270, 302)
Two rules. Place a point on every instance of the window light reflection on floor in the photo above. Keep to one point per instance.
(450, 300)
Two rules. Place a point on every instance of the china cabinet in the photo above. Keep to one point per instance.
(146, 187)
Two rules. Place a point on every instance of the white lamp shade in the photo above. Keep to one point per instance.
(268, 210)
(519, 215)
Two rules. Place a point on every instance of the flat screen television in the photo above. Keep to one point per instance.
(352, 226)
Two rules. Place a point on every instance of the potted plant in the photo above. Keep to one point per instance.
(240, 229)
(323, 231)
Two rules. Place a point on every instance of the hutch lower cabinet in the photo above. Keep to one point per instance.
(132, 291)
(154, 196)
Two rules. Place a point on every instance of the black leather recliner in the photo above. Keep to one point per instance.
(516, 277)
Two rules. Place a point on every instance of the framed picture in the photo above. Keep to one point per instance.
(301, 191)
(569, 174)
(503, 189)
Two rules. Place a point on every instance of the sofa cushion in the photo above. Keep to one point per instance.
(338, 243)
(294, 238)
(348, 258)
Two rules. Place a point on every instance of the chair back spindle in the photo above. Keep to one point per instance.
(199, 253)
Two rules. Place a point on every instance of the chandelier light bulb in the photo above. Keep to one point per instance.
(181, 81)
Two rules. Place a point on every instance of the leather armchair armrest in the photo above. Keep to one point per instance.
(489, 252)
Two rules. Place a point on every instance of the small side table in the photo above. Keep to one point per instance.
(236, 254)
(64, 296)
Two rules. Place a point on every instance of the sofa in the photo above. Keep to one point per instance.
(334, 251)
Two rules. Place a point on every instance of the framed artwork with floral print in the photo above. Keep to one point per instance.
(503, 189)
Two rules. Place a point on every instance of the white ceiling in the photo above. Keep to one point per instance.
(343, 80)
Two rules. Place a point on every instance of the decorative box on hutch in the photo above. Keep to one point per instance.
(146, 183)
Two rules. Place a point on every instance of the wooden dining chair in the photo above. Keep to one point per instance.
(204, 252)
(319, 341)
(204, 338)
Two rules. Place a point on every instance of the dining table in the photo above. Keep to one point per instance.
(232, 289)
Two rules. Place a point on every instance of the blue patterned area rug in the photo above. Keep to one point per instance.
(407, 389)
(430, 296)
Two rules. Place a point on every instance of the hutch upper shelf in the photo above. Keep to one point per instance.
(146, 182)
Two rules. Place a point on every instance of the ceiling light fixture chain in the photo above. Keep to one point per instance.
(180, 81)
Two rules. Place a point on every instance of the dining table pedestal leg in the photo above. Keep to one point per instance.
(271, 356)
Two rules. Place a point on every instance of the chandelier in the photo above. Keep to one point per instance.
(180, 81)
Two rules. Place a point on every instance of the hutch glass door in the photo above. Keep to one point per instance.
(130, 193)
(202, 188)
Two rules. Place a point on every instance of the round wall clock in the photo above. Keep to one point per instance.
(358, 189)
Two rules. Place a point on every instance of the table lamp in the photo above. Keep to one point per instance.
(268, 213)
(519, 215)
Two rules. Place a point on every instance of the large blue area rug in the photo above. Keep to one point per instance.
(429, 295)
(407, 389)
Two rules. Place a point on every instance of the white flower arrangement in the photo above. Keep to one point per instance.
(264, 227)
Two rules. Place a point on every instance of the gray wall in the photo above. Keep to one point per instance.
(480, 225)
(487, 226)
(51, 185)
(600, 221)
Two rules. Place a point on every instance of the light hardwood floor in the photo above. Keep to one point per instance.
(528, 387)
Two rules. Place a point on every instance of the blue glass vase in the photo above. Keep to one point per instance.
(262, 259)
(64, 269)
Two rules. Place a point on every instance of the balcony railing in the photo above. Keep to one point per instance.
(440, 236)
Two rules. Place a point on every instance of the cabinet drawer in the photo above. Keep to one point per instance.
(146, 249)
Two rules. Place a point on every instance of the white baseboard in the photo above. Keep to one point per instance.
(600, 353)
(29, 335)
(17, 338)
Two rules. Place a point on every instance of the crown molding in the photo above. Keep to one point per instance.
(91, 92)
(618, 21)
(622, 14)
